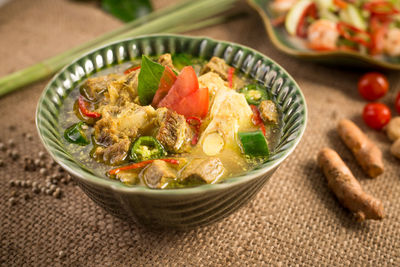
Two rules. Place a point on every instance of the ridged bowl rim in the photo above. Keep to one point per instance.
(116, 185)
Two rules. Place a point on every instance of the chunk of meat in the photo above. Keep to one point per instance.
(94, 87)
(212, 81)
(117, 126)
(166, 61)
(218, 66)
(105, 129)
(120, 121)
(268, 111)
(157, 174)
(123, 90)
(207, 169)
(114, 154)
(174, 133)
(129, 177)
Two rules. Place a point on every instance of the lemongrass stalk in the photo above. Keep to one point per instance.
(49, 66)
(199, 25)
(187, 14)
(185, 11)
(126, 27)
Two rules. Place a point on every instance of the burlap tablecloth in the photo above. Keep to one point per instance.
(294, 220)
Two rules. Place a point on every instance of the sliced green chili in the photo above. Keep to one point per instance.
(75, 134)
(254, 144)
(146, 148)
(254, 93)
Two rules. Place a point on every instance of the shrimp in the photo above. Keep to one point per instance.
(391, 43)
(322, 35)
(282, 6)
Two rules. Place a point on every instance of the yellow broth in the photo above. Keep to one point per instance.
(232, 157)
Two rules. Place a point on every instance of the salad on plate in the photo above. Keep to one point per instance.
(370, 27)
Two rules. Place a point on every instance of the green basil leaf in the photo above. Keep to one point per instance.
(149, 78)
(127, 10)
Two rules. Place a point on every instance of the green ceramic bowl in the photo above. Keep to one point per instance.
(281, 39)
(178, 208)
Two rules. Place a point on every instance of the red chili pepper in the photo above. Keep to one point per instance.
(262, 128)
(340, 3)
(140, 165)
(231, 72)
(196, 123)
(195, 139)
(310, 11)
(378, 29)
(257, 121)
(381, 8)
(85, 111)
(354, 34)
(131, 69)
(256, 115)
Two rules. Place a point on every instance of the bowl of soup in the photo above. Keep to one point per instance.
(171, 130)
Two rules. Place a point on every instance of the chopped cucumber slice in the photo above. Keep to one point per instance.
(352, 16)
(294, 15)
(328, 15)
(325, 4)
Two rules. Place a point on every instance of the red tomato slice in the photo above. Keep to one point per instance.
(167, 81)
(185, 84)
(195, 104)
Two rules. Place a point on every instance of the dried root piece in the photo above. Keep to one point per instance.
(347, 189)
(395, 149)
(393, 129)
(367, 154)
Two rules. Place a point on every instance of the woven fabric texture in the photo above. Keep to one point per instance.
(294, 220)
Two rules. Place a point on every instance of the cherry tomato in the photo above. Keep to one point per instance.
(373, 85)
(397, 103)
(376, 115)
